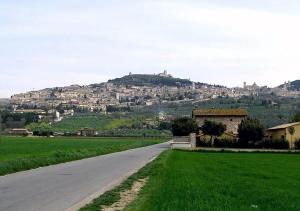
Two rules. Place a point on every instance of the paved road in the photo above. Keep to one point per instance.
(69, 185)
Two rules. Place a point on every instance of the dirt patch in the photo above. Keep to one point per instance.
(126, 197)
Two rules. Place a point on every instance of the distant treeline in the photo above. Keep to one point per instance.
(143, 79)
(16, 120)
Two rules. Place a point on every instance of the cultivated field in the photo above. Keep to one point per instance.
(181, 180)
(22, 153)
(223, 181)
(120, 125)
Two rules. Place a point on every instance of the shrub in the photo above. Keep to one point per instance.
(42, 133)
(184, 126)
(297, 144)
(272, 144)
(250, 131)
(225, 143)
(202, 143)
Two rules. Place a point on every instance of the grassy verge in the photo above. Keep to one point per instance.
(109, 197)
(23, 153)
(180, 180)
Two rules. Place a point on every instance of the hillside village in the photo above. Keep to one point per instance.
(136, 90)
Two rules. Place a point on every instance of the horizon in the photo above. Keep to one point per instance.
(66, 85)
(58, 44)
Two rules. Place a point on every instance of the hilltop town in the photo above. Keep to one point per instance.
(137, 90)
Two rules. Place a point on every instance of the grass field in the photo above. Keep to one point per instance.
(215, 181)
(108, 125)
(22, 153)
(98, 122)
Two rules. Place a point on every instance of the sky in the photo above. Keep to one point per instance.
(52, 43)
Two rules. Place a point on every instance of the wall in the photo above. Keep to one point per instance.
(295, 137)
(276, 134)
(232, 123)
(184, 141)
(181, 139)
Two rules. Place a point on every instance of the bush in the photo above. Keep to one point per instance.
(272, 144)
(297, 144)
(184, 126)
(42, 133)
(250, 131)
(202, 143)
(225, 143)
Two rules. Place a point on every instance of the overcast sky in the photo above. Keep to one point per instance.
(46, 43)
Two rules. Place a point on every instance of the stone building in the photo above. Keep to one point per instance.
(230, 117)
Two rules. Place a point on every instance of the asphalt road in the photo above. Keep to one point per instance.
(70, 185)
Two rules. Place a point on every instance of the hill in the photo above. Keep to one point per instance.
(150, 80)
(293, 86)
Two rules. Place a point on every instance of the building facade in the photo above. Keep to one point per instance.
(230, 117)
(283, 132)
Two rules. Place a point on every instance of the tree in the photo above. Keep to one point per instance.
(296, 117)
(250, 131)
(41, 129)
(184, 126)
(164, 126)
(213, 129)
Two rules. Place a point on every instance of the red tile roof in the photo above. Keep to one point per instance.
(203, 112)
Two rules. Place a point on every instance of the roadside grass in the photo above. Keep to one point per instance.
(180, 180)
(109, 197)
(23, 153)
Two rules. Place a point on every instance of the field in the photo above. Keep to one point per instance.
(22, 153)
(116, 124)
(181, 180)
(100, 121)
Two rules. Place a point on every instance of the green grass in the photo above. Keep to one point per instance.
(96, 121)
(72, 124)
(181, 180)
(22, 153)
